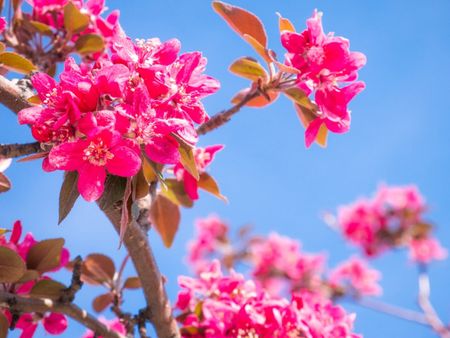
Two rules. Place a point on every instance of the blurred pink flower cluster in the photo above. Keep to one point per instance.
(324, 62)
(393, 217)
(218, 305)
(53, 323)
(113, 324)
(140, 100)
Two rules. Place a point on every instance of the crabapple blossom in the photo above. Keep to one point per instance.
(113, 324)
(426, 250)
(324, 62)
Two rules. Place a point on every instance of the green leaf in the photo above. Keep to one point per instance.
(165, 217)
(12, 266)
(299, 97)
(100, 303)
(41, 27)
(4, 325)
(48, 288)
(16, 63)
(68, 195)
(248, 68)
(114, 190)
(29, 275)
(132, 283)
(207, 183)
(45, 255)
(174, 190)
(242, 21)
(74, 20)
(89, 43)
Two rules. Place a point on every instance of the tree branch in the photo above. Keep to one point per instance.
(18, 150)
(224, 116)
(138, 247)
(42, 305)
(13, 96)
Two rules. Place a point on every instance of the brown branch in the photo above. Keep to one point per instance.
(224, 116)
(425, 304)
(13, 96)
(138, 247)
(28, 305)
(18, 150)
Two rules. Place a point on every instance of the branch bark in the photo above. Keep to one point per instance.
(18, 150)
(13, 96)
(138, 247)
(28, 305)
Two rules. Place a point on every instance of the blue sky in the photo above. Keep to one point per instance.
(399, 135)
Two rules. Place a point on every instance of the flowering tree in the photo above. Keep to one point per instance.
(122, 119)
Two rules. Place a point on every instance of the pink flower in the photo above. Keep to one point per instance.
(3, 24)
(113, 324)
(356, 274)
(426, 250)
(203, 158)
(93, 157)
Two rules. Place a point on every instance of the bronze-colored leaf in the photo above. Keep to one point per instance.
(4, 231)
(41, 27)
(321, 137)
(29, 275)
(16, 63)
(99, 268)
(100, 303)
(132, 283)
(305, 115)
(187, 158)
(299, 97)
(140, 185)
(207, 183)
(165, 217)
(74, 20)
(89, 43)
(257, 102)
(174, 190)
(248, 68)
(5, 183)
(45, 255)
(260, 49)
(35, 99)
(242, 21)
(12, 266)
(114, 190)
(285, 24)
(68, 195)
(47, 288)
(4, 325)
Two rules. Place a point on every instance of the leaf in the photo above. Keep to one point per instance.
(4, 325)
(4, 231)
(285, 24)
(174, 190)
(114, 190)
(207, 183)
(99, 268)
(242, 21)
(149, 171)
(45, 255)
(305, 115)
(35, 99)
(140, 185)
(258, 102)
(89, 43)
(16, 63)
(100, 303)
(321, 137)
(132, 283)
(165, 216)
(29, 275)
(12, 266)
(47, 288)
(260, 49)
(299, 96)
(2, 47)
(41, 27)
(187, 157)
(68, 195)
(248, 68)
(74, 20)
(33, 157)
(286, 69)
(5, 183)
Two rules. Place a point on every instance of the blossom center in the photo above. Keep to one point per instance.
(97, 153)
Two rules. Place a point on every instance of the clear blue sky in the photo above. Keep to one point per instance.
(399, 135)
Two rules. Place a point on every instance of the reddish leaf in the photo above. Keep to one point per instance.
(132, 283)
(29, 275)
(165, 217)
(33, 157)
(299, 96)
(45, 255)
(5, 183)
(47, 288)
(207, 183)
(89, 43)
(258, 102)
(100, 303)
(305, 115)
(242, 21)
(68, 195)
(99, 268)
(187, 156)
(260, 49)
(285, 24)
(4, 325)
(12, 266)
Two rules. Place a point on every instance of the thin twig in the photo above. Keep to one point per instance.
(41, 305)
(18, 150)
(75, 284)
(224, 116)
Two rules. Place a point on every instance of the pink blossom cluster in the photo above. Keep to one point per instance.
(202, 157)
(324, 62)
(140, 101)
(53, 323)
(51, 13)
(211, 238)
(113, 324)
(217, 305)
(393, 217)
